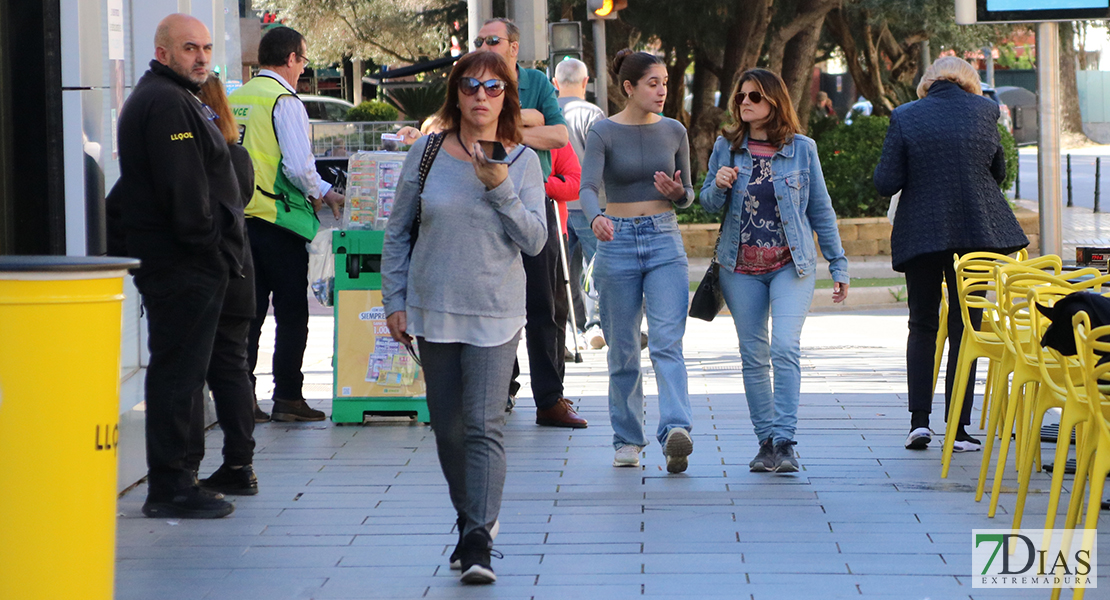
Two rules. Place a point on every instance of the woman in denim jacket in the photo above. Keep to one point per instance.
(770, 177)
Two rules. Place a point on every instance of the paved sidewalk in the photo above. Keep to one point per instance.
(362, 511)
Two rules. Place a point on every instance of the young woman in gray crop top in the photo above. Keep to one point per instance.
(640, 266)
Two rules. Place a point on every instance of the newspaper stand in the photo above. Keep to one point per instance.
(373, 374)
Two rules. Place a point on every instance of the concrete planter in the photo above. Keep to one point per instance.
(866, 236)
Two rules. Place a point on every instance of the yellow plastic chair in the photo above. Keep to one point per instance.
(1058, 375)
(976, 278)
(1014, 282)
(1093, 454)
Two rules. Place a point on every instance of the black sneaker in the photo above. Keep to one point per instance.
(190, 503)
(784, 457)
(456, 555)
(965, 443)
(765, 460)
(476, 552)
(237, 482)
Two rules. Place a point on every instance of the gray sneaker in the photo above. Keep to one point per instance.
(627, 456)
(784, 457)
(764, 461)
(677, 447)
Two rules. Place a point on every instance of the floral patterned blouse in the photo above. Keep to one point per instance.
(763, 245)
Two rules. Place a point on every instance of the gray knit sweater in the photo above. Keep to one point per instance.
(467, 257)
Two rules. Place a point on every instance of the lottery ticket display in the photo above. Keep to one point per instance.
(372, 179)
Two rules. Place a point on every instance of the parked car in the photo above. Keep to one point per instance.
(863, 108)
(325, 108)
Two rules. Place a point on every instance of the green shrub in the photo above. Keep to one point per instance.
(849, 155)
(372, 110)
(695, 213)
(1009, 149)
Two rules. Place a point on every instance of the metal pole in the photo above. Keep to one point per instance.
(1048, 137)
(1069, 180)
(601, 67)
(988, 59)
(477, 12)
(1098, 175)
(1017, 182)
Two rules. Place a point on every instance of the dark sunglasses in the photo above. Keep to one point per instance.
(413, 354)
(755, 97)
(492, 40)
(469, 86)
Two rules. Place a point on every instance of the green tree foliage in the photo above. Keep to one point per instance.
(1009, 150)
(372, 110)
(385, 31)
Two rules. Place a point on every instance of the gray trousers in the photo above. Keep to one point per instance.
(467, 390)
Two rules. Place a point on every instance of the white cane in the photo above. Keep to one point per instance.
(566, 278)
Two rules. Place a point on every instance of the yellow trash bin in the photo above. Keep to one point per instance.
(60, 324)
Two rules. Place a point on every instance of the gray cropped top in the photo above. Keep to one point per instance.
(626, 158)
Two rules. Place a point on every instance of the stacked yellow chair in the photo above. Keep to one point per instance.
(976, 278)
(1093, 447)
(1014, 414)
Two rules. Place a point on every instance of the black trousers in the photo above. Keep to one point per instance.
(546, 308)
(182, 304)
(232, 393)
(280, 269)
(923, 294)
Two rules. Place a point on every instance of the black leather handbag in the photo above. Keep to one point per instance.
(708, 299)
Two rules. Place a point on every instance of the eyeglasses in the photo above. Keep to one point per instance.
(755, 97)
(208, 112)
(492, 40)
(469, 86)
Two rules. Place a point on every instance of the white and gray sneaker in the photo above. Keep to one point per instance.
(966, 443)
(677, 447)
(627, 456)
(919, 438)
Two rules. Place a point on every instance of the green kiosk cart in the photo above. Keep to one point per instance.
(373, 374)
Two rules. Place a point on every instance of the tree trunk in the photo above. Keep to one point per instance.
(702, 89)
(677, 59)
(746, 32)
(1072, 121)
(868, 82)
(799, 57)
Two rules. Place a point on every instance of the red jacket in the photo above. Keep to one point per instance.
(566, 177)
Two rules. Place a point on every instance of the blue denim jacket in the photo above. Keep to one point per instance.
(800, 190)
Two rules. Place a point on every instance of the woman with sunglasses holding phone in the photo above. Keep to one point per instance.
(643, 160)
(769, 176)
(459, 289)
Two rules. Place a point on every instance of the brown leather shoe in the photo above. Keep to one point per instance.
(294, 410)
(260, 415)
(560, 415)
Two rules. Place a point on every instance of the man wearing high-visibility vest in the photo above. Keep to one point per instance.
(281, 217)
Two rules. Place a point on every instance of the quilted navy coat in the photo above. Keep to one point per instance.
(943, 152)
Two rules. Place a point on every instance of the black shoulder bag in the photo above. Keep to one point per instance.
(435, 140)
(708, 299)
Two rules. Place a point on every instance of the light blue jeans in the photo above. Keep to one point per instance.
(643, 269)
(786, 297)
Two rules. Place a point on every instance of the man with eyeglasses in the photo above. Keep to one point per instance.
(547, 305)
(176, 207)
(281, 217)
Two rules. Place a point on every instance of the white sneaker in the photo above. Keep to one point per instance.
(677, 448)
(968, 445)
(627, 456)
(919, 439)
(595, 337)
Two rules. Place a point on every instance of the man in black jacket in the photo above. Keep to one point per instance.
(185, 228)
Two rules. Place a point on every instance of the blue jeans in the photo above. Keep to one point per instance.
(787, 298)
(644, 268)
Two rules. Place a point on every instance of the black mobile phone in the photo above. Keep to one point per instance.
(494, 151)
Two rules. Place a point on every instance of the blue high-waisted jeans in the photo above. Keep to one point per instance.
(644, 269)
(785, 297)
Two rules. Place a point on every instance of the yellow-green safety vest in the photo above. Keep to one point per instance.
(275, 198)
